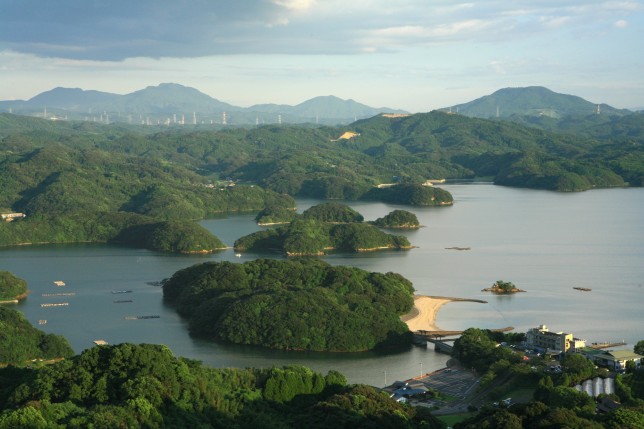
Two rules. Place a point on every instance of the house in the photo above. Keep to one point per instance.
(615, 359)
(407, 390)
(540, 338)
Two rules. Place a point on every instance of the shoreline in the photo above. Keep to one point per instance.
(422, 316)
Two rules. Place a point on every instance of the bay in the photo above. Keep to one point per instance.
(544, 242)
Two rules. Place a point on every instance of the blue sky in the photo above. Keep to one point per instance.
(416, 55)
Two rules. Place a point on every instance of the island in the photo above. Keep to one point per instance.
(293, 304)
(410, 194)
(398, 219)
(322, 228)
(502, 288)
(275, 216)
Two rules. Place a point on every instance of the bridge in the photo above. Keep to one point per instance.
(440, 343)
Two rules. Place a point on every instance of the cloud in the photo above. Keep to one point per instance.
(295, 4)
(621, 23)
(554, 21)
(120, 29)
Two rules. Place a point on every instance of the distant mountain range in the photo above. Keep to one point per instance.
(532, 101)
(170, 103)
(174, 103)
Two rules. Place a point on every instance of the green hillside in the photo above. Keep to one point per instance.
(295, 304)
(145, 386)
(532, 101)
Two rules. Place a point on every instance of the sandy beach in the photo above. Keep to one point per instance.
(423, 316)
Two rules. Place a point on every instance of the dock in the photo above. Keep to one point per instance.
(60, 294)
(55, 304)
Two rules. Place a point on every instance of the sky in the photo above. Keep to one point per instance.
(416, 55)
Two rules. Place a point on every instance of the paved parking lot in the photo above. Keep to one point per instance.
(450, 381)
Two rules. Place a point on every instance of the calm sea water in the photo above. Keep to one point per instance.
(544, 242)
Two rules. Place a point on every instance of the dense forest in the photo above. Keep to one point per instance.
(323, 227)
(63, 173)
(295, 304)
(145, 386)
(20, 342)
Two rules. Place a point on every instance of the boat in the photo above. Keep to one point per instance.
(121, 301)
(238, 255)
(141, 317)
(121, 291)
(584, 289)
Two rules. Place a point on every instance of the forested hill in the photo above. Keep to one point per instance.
(149, 170)
(532, 101)
(295, 304)
(145, 386)
(447, 145)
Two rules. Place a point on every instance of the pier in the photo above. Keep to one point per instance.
(60, 294)
(56, 304)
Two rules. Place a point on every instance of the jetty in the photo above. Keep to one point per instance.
(55, 304)
(599, 346)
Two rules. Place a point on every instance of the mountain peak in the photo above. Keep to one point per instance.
(531, 101)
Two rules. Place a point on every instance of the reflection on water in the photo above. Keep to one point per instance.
(543, 242)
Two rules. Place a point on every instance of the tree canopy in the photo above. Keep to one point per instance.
(145, 386)
(322, 227)
(21, 342)
(295, 304)
(11, 287)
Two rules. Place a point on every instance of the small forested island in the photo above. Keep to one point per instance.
(398, 219)
(294, 304)
(275, 215)
(321, 228)
(500, 287)
(12, 288)
(410, 194)
(20, 342)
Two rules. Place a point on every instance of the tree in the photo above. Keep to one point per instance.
(639, 347)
